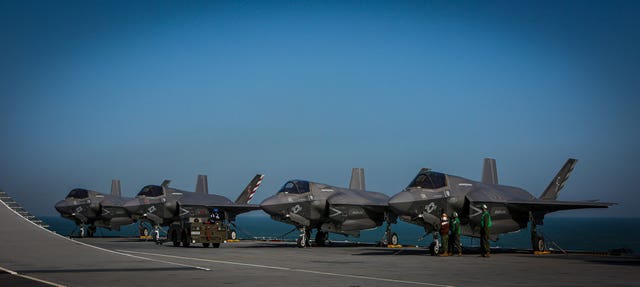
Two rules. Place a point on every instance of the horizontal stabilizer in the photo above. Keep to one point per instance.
(489, 171)
(557, 183)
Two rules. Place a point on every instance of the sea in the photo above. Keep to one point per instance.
(567, 233)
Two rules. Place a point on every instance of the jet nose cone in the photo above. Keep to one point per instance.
(401, 202)
(62, 206)
(132, 206)
(272, 205)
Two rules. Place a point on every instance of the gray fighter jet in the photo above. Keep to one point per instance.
(166, 206)
(92, 209)
(511, 208)
(310, 205)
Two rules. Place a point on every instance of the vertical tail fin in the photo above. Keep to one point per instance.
(202, 184)
(165, 186)
(489, 171)
(357, 179)
(115, 187)
(557, 183)
(250, 190)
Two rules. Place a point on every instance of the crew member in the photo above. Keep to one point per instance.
(444, 233)
(455, 234)
(485, 230)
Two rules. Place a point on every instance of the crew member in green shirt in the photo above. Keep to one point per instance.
(455, 234)
(485, 230)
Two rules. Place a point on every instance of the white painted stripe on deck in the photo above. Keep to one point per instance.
(289, 269)
(103, 249)
(30, 278)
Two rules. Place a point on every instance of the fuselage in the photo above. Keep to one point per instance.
(93, 208)
(166, 205)
(325, 207)
(432, 193)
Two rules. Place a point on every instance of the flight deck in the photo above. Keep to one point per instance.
(33, 256)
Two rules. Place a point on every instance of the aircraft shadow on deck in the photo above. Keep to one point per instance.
(473, 251)
(88, 270)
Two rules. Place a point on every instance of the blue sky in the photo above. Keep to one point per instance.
(143, 91)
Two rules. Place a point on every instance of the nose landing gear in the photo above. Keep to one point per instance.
(434, 248)
(303, 239)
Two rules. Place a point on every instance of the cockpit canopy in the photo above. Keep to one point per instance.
(429, 180)
(78, 193)
(295, 187)
(151, 191)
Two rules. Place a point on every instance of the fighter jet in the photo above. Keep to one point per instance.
(166, 206)
(430, 193)
(94, 209)
(310, 205)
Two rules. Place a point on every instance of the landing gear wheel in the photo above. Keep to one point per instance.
(302, 241)
(393, 239)
(321, 238)
(205, 245)
(233, 235)
(539, 244)
(434, 248)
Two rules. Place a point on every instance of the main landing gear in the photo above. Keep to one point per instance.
(390, 238)
(537, 240)
(322, 238)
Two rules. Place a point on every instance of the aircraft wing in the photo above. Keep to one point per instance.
(234, 209)
(548, 206)
(362, 199)
(211, 200)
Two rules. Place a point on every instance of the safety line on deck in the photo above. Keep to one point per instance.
(14, 273)
(288, 269)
